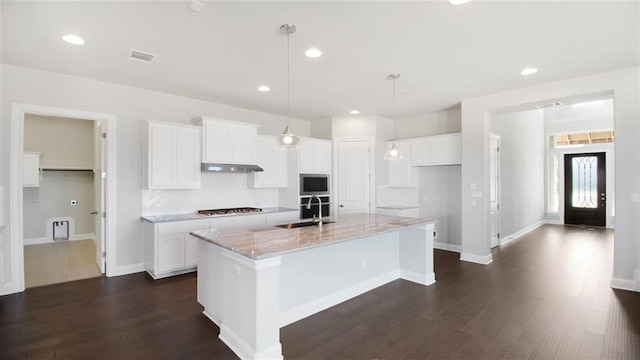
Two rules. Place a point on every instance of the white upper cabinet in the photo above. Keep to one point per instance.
(31, 169)
(436, 150)
(273, 160)
(172, 156)
(228, 142)
(400, 173)
(315, 156)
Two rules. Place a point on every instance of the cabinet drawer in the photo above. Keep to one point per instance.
(235, 221)
(176, 227)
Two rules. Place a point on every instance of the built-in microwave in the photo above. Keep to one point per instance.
(314, 184)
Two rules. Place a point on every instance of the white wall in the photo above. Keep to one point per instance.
(624, 85)
(590, 116)
(131, 106)
(441, 187)
(443, 122)
(51, 200)
(522, 155)
(63, 142)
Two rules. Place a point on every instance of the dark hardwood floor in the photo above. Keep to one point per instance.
(545, 296)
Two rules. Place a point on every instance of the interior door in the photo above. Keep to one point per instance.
(353, 177)
(99, 179)
(585, 189)
(494, 189)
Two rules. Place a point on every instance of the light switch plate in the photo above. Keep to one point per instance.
(635, 198)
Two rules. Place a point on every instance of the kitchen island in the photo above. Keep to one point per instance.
(254, 280)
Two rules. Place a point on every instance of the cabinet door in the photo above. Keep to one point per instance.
(422, 151)
(399, 172)
(315, 156)
(322, 157)
(274, 162)
(31, 170)
(217, 142)
(161, 157)
(447, 149)
(187, 157)
(170, 252)
(243, 145)
(191, 251)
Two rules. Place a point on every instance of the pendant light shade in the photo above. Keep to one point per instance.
(393, 153)
(288, 140)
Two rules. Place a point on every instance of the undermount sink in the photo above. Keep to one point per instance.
(302, 224)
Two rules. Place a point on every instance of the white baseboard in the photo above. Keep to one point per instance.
(623, 284)
(300, 312)
(554, 221)
(44, 240)
(507, 239)
(126, 270)
(447, 247)
(243, 350)
(478, 259)
(421, 279)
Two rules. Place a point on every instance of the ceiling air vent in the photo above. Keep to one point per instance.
(553, 104)
(141, 56)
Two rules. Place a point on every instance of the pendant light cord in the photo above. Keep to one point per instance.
(288, 74)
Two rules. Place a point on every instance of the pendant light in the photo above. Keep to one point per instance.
(393, 153)
(288, 140)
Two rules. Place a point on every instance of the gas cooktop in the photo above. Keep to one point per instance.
(230, 211)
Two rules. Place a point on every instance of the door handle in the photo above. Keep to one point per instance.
(94, 213)
(341, 205)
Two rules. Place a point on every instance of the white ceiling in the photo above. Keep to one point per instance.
(443, 53)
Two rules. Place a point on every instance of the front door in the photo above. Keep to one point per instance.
(585, 184)
(353, 177)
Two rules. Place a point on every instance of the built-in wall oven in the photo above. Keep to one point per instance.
(318, 185)
(314, 209)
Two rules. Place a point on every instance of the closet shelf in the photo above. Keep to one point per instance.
(49, 168)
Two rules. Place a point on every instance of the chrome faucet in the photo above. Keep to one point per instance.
(319, 220)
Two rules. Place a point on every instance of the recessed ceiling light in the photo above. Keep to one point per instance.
(354, 112)
(264, 88)
(313, 53)
(196, 6)
(73, 39)
(458, 2)
(528, 71)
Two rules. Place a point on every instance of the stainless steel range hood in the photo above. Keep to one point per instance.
(230, 168)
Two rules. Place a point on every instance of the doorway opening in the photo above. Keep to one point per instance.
(103, 175)
(585, 189)
(61, 197)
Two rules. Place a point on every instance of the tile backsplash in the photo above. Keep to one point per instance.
(217, 191)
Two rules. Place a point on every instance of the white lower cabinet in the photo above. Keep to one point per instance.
(170, 250)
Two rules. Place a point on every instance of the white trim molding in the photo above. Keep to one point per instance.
(447, 247)
(127, 269)
(44, 240)
(509, 238)
(18, 112)
(478, 259)
(623, 284)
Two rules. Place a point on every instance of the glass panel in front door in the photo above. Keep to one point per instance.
(585, 182)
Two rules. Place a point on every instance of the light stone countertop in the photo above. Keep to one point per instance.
(398, 207)
(196, 216)
(265, 241)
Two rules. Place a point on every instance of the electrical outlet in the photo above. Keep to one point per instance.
(425, 198)
(73, 202)
(364, 263)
